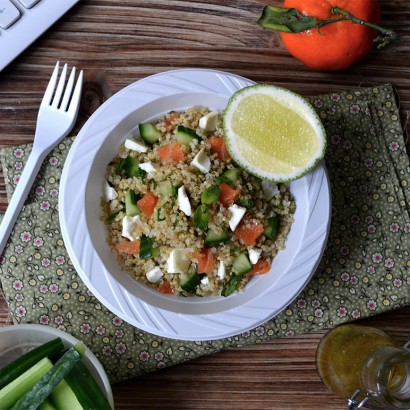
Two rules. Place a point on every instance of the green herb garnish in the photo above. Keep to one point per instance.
(224, 179)
(132, 169)
(120, 166)
(112, 216)
(246, 203)
(210, 195)
(201, 217)
(230, 286)
(159, 218)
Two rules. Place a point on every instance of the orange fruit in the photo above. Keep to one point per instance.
(335, 46)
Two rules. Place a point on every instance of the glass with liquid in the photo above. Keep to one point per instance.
(353, 357)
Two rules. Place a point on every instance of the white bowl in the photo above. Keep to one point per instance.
(84, 233)
(19, 339)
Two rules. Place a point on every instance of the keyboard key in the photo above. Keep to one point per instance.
(9, 14)
(28, 4)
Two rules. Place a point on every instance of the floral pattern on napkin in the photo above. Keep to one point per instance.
(364, 270)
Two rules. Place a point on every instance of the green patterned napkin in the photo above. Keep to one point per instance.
(364, 271)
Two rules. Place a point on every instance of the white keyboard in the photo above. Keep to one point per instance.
(23, 21)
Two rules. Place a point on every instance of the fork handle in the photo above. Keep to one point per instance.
(27, 178)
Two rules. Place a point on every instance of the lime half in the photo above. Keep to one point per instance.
(273, 132)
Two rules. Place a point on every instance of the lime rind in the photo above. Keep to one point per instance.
(288, 99)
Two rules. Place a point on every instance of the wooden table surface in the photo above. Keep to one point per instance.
(118, 42)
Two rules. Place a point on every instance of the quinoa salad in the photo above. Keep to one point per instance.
(183, 217)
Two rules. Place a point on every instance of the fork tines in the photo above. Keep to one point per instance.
(52, 96)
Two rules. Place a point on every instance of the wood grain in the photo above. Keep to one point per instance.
(119, 42)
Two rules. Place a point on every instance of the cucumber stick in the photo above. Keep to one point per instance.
(15, 390)
(34, 397)
(86, 389)
(19, 366)
(64, 398)
(46, 405)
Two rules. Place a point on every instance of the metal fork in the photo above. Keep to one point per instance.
(56, 117)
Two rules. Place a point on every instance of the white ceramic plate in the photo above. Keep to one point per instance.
(19, 339)
(84, 233)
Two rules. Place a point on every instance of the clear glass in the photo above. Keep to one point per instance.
(385, 376)
(353, 357)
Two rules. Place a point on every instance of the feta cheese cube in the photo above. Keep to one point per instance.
(178, 261)
(254, 255)
(208, 121)
(154, 275)
(183, 201)
(202, 162)
(270, 189)
(134, 145)
(237, 214)
(205, 281)
(221, 270)
(109, 192)
(148, 167)
(129, 223)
